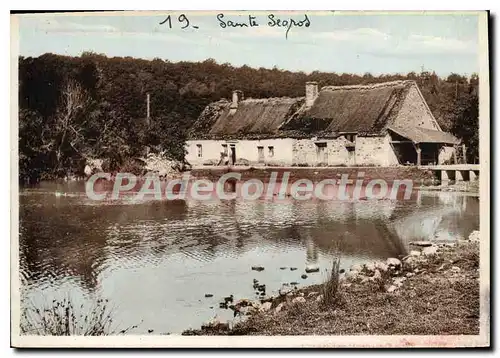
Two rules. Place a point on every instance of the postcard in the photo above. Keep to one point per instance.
(250, 179)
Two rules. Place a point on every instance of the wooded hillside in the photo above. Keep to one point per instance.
(92, 106)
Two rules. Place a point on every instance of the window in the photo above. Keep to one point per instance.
(260, 153)
(224, 149)
(200, 153)
(271, 151)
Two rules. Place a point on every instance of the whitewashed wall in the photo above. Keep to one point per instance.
(245, 150)
(300, 152)
(445, 154)
(210, 151)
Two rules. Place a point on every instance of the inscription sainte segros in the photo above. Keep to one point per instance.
(182, 21)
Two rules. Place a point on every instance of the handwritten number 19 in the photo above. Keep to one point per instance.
(182, 19)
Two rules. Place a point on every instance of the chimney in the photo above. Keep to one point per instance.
(311, 93)
(237, 96)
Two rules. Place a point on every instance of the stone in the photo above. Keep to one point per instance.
(370, 266)
(284, 290)
(410, 274)
(282, 268)
(398, 281)
(243, 302)
(301, 294)
(415, 253)
(381, 266)
(430, 250)
(248, 310)
(304, 276)
(299, 300)
(455, 269)
(341, 271)
(421, 243)
(377, 275)
(280, 307)
(312, 268)
(311, 294)
(293, 268)
(474, 236)
(357, 268)
(394, 262)
(392, 288)
(209, 295)
(256, 304)
(412, 260)
(257, 268)
(266, 306)
(88, 170)
(319, 298)
(352, 274)
(364, 279)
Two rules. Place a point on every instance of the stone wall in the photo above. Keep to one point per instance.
(305, 152)
(375, 151)
(414, 112)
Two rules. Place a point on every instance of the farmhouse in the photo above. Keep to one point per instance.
(384, 124)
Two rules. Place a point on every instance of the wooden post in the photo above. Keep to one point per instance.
(464, 152)
(147, 108)
(419, 154)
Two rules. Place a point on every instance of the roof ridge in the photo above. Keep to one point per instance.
(370, 85)
(265, 99)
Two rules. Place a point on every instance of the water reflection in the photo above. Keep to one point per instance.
(157, 259)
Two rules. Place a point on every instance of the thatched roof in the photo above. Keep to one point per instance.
(424, 135)
(253, 118)
(364, 109)
(367, 110)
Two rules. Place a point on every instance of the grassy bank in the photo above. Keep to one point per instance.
(464, 187)
(432, 291)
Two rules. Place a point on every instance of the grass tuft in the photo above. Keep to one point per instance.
(62, 318)
(330, 288)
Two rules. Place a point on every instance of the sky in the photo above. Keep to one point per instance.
(332, 42)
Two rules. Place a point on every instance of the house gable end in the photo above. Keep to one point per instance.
(414, 111)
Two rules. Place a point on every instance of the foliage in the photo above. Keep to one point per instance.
(330, 288)
(60, 318)
(92, 106)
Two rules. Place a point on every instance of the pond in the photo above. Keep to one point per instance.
(156, 260)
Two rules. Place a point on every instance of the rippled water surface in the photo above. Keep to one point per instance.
(156, 260)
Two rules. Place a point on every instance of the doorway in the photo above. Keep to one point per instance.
(321, 153)
(233, 154)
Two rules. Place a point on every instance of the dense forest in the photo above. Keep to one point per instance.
(92, 106)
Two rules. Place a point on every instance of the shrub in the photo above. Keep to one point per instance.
(330, 288)
(60, 318)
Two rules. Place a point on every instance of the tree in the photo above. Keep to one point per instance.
(466, 126)
(70, 123)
